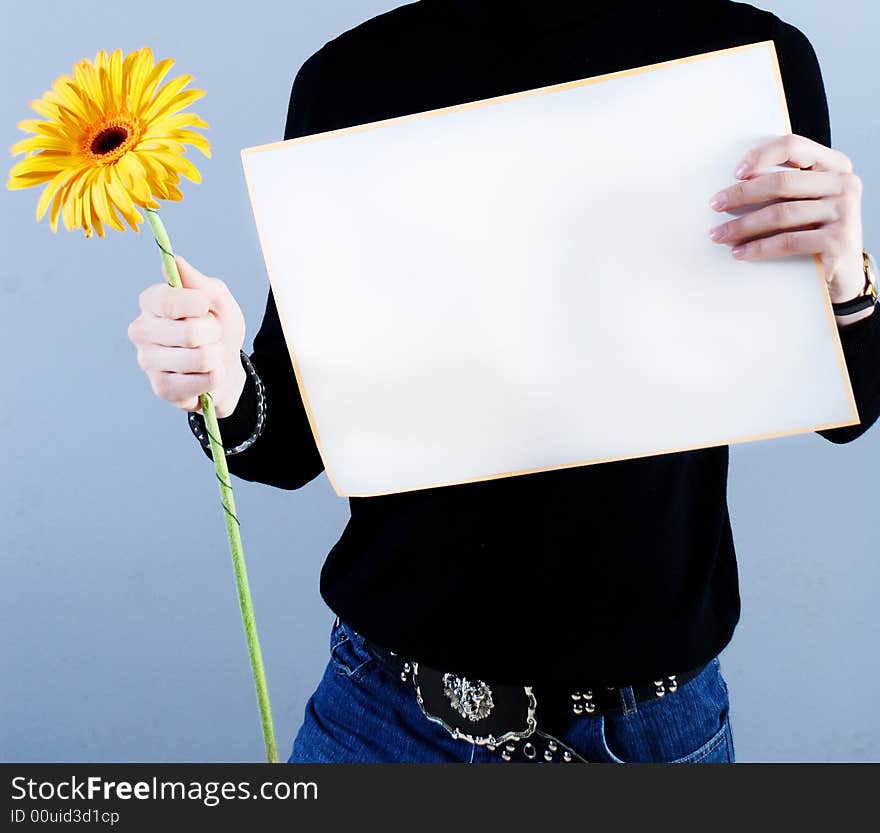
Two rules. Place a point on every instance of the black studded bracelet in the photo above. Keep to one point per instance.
(197, 421)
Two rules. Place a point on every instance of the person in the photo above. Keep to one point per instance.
(567, 615)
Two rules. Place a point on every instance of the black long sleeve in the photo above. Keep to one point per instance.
(616, 572)
(808, 109)
(285, 455)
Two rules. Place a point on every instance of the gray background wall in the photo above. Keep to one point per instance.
(119, 628)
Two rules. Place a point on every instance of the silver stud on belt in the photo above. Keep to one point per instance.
(667, 684)
(583, 702)
(531, 751)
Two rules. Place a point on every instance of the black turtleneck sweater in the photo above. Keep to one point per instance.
(612, 572)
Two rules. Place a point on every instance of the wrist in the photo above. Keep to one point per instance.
(226, 398)
(847, 310)
(242, 426)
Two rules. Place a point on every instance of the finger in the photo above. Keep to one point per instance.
(176, 332)
(166, 301)
(177, 387)
(165, 271)
(793, 149)
(777, 217)
(216, 289)
(192, 403)
(782, 245)
(156, 358)
(780, 185)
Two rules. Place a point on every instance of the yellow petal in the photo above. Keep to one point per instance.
(44, 107)
(127, 66)
(179, 163)
(122, 199)
(115, 76)
(99, 227)
(111, 94)
(165, 95)
(20, 173)
(86, 201)
(58, 180)
(139, 72)
(61, 155)
(135, 180)
(68, 120)
(40, 143)
(165, 135)
(160, 176)
(66, 94)
(58, 203)
(156, 74)
(174, 121)
(155, 173)
(33, 125)
(106, 89)
(180, 101)
(82, 83)
(19, 182)
(36, 164)
(47, 162)
(194, 139)
(87, 80)
(60, 83)
(76, 197)
(160, 143)
(102, 201)
(99, 198)
(90, 107)
(53, 214)
(159, 189)
(43, 128)
(67, 211)
(89, 209)
(40, 161)
(51, 99)
(76, 213)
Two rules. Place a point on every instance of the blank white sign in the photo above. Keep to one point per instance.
(526, 282)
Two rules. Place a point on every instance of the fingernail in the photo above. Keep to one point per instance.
(741, 171)
(738, 251)
(717, 233)
(718, 201)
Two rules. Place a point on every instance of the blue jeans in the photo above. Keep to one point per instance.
(362, 712)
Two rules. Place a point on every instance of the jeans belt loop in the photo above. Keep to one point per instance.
(628, 700)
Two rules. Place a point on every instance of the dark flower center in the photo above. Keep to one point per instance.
(108, 140)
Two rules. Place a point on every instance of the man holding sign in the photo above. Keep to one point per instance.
(573, 614)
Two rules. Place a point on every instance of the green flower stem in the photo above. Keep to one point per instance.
(232, 525)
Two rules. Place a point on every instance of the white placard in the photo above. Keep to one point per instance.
(526, 282)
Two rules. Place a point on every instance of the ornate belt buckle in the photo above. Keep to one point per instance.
(470, 710)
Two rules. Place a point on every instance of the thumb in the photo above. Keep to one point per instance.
(190, 277)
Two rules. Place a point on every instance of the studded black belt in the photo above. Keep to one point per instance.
(504, 718)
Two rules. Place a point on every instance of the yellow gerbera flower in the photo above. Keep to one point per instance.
(112, 139)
